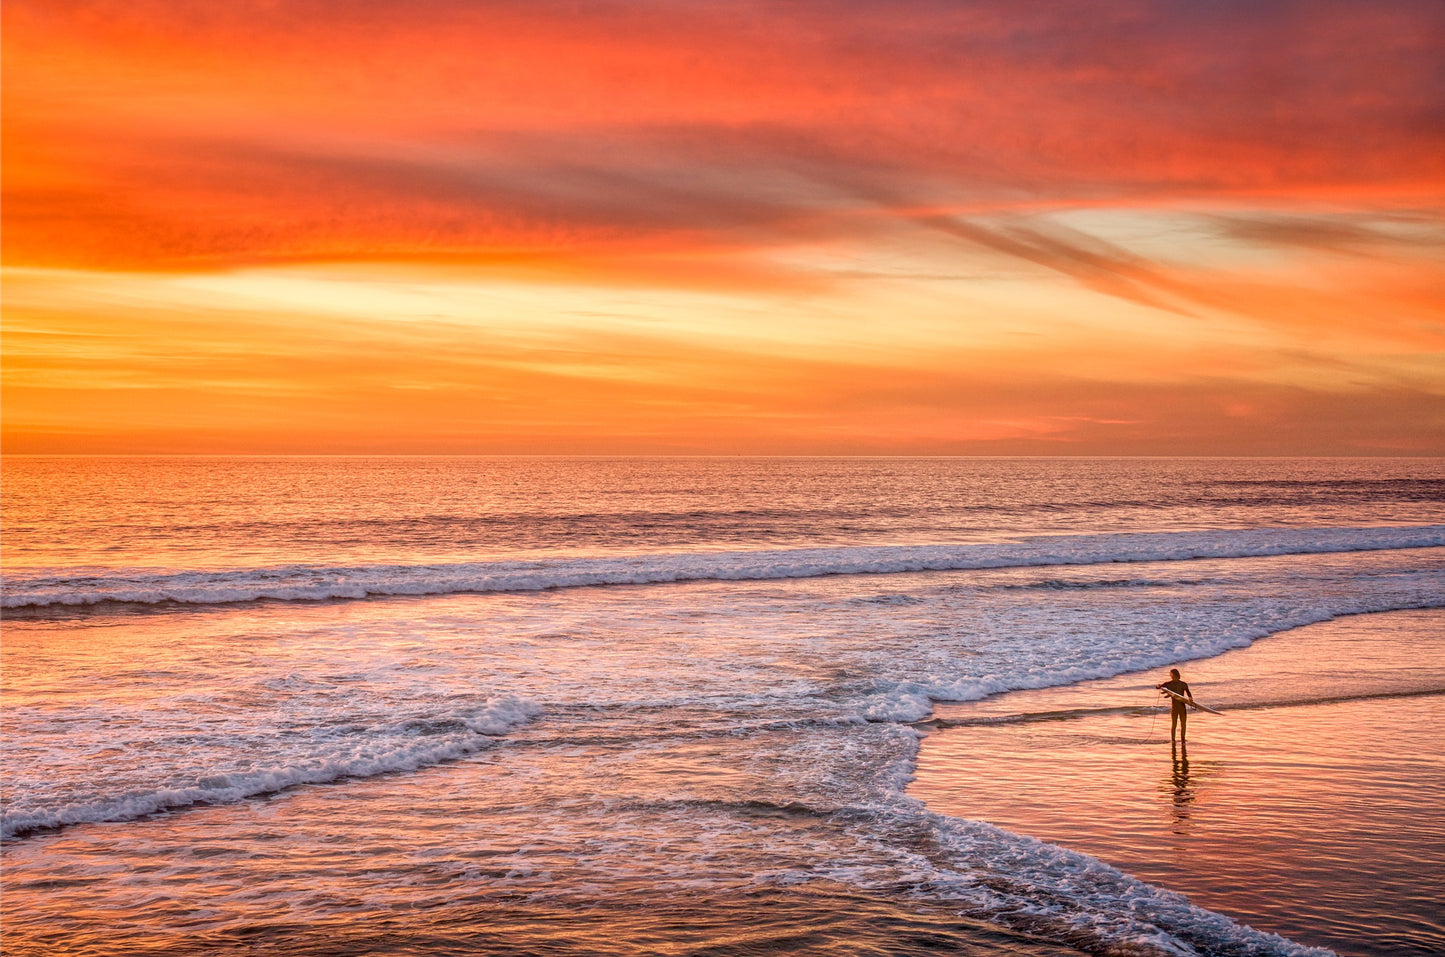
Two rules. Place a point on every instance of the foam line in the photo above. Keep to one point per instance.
(321, 583)
(375, 755)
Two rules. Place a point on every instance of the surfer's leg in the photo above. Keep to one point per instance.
(1183, 724)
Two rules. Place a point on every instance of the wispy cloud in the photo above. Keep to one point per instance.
(251, 131)
(912, 205)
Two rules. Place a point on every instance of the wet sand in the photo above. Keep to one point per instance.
(1312, 808)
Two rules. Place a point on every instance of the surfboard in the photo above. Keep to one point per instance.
(1192, 704)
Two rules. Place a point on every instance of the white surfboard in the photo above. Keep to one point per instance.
(1190, 702)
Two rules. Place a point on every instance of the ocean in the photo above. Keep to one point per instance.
(552, 705)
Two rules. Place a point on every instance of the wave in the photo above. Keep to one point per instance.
(984, 872)
(406, 747)
(1057, 584)
(1058, 894)
(321, 582)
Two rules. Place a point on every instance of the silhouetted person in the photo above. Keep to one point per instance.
(1178, 710)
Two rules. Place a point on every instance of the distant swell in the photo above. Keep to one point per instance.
(320, 583)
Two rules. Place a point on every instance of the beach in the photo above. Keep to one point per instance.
(1310, 809)
(566, 706)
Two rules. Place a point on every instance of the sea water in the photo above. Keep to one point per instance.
(631, 705)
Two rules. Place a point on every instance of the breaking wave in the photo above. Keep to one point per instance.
(321, 583)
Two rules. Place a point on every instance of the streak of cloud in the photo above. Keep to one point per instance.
(925, 224)
(450, 125)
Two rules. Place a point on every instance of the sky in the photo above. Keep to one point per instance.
(695, 227)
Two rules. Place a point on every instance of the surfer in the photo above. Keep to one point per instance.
(1178, 709)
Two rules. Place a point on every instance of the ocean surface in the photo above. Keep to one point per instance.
(616, 706)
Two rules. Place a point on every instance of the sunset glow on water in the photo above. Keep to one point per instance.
(578, 705)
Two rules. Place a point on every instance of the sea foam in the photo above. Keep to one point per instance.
(382, 753)
(321, 582)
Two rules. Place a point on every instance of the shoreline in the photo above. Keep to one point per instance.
(1303, 810)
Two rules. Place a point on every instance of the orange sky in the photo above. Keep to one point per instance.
(933, 227)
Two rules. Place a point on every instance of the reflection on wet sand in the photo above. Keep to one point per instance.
(1182, 787)
(1316, 819)
(1181, 793)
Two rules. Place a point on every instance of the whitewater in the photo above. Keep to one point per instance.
(326, 718)
(317, 583)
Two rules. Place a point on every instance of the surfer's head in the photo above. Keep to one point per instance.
(1174, 673)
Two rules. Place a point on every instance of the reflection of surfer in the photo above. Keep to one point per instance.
(1183, 792)
(1178, 710)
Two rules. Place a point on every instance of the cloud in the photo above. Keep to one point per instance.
(128, 372)
(262, 131)
(1387, 232)
(610, 393)
(1177, 199)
